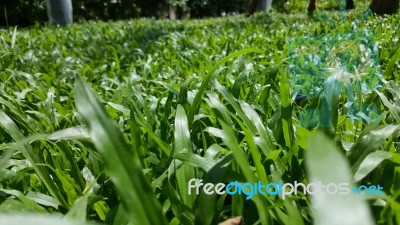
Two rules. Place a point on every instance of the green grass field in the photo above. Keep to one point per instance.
(106, 123)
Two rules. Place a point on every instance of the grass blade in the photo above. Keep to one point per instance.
(371, 139)
(242, 160)
(370, 163)
(326, 165)
(207, 203)
(183, 145)
(36, 219)
(124, 171)
(199, 96)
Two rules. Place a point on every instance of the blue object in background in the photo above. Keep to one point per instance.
(59, 12)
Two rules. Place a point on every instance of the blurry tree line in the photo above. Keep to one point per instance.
(27, 12)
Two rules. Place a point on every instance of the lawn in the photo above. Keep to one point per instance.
(107, 122)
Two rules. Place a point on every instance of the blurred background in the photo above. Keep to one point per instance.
(29, 12)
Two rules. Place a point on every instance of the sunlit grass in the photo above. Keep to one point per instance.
(107, 122)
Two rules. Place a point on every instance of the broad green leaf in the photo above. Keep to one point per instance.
(182, 134)
(370, 163)
(70, 133)
(183, 144)
(195, 160)
(27, 202)
(371, 139)
(43, 199)
(215, 132)
(286, 109)
(327, 165)
(120, 108)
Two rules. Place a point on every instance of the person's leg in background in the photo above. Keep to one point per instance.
(59, 12)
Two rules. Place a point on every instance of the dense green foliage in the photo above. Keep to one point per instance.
(107, 122)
